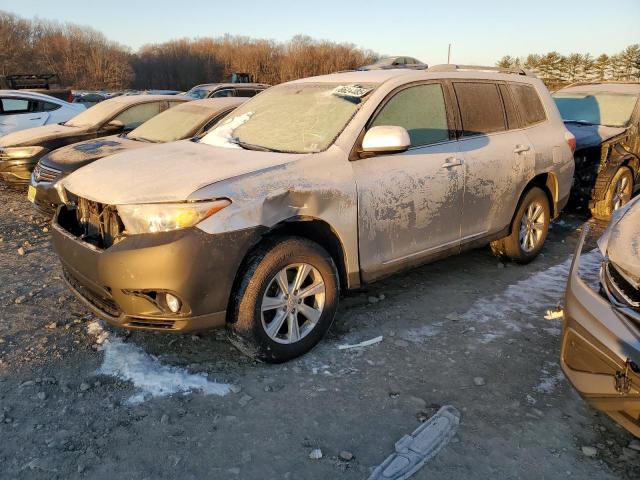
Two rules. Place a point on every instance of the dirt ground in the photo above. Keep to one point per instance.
(79, 402)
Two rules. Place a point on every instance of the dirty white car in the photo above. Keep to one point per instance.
(20, 110)
(311, 187)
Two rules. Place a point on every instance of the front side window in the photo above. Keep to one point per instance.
(227, 92)
(596, 108)
(421, 110)
(294, 118)
(480, 106)
(138, 114)
(198, 93)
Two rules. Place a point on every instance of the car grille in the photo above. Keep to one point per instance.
(92, 222)
(102, 303)
(46, 174)
(624, 291)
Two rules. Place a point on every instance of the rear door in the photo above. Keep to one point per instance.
(20, 113)
(497, 157)
(410, 203)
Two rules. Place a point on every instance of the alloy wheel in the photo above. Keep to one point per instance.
(532, 227)
(622, 192)
(293, 303)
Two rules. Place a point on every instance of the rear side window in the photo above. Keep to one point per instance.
(16, 105)
(223, 93)
(509, 108)
(480, 108)
(529, 104)
(138, 114)
(49, 106)
(245, 92)
(421, 110)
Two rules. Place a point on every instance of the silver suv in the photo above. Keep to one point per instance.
(314, 186)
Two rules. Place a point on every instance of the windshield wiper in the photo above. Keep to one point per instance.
(140, 139)
(251, 146)
(580, 122)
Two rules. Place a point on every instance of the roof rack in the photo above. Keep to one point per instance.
(451, 67)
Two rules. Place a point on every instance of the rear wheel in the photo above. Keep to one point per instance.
(286, 301)
(618, 193)
(529, 229)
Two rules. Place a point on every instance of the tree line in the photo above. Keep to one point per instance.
(85, 58)
(558, 70)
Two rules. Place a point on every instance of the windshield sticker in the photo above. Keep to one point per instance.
(351, 91)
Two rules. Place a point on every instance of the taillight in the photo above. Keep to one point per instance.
(70, 98)
(571, 141)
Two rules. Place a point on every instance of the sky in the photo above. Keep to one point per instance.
(480, 31)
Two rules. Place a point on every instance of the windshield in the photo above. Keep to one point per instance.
(177, 123)
(596, 108)
(294, 118)
(198, 93)
(95, 115)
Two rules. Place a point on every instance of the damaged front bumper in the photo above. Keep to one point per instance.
(17, 171)
(601, 351)
(127, 283)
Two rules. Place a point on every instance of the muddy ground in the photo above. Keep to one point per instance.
(75, 406)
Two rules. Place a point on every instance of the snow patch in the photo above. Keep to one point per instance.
(418, 335)
(222, 135)
(551, 376)
(147, 373)
(530, 297)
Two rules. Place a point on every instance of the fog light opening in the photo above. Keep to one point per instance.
(173, 302)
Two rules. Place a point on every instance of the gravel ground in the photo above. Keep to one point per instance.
(77, 401)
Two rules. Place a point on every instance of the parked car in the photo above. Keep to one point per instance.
(45, 83)
(216, 90)
(183, 121)
(312, 187)
(89, 99)
(20, 151)
(601, 334)
(605, 119)
(20, 110)
(396, 62)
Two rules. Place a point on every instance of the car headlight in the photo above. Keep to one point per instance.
(163, 217)
(17, 153)
(616, 216)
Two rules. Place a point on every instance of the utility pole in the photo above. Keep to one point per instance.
(449, 54)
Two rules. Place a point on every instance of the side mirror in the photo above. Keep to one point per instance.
(386, 139)
(114, 126)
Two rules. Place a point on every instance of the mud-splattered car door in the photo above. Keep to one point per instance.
(410, 203)
(497, 156)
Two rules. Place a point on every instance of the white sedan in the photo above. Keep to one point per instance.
(20, 109)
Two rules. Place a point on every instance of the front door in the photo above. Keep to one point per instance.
(410, 203)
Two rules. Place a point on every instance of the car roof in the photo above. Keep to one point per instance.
(409, 75)
(133, 99)
(613, 87)
(212, 86)
(216, 104)
(29, 94)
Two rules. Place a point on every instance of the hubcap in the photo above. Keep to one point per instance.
(622, 193)
(293, 303)
(532, 227)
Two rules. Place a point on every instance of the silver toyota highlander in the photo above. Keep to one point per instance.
(312, 187)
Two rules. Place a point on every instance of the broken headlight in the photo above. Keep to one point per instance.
(163, 217)
(19, 153)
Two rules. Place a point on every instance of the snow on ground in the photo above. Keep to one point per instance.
(530, 297)
(147, 373)
(551, 376)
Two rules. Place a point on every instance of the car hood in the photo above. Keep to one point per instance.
(592, 135)
(38, 135)
(72, 157)
(623, 248)
(170, 172)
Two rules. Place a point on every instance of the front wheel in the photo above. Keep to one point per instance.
(529, 229)
(286, 300)
(618, 193)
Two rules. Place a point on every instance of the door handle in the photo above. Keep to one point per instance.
(521, 148)
(451, 162)
(37, 118)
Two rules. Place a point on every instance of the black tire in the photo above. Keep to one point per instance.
(510, 247)
(245, 327)
(603, 209)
